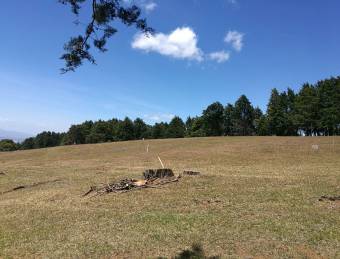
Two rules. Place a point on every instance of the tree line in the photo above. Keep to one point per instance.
(313, 111)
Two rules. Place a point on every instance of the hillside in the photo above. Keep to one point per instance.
(256, 196)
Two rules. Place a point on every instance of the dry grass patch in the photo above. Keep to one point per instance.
(256, 196)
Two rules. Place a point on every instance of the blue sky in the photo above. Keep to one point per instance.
(203, 51)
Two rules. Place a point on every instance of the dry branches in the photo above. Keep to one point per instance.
(152, 179)
(29, 186)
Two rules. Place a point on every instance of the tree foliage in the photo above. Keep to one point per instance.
(212, 119)
(100, 28)
(243, 117)
(7, 145)
(314, 110)
(176, 128)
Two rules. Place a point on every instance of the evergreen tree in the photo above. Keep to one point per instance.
(329, 98)
(126, 130)
(176, 128)
(243, 117)
(262, 127)
(47, 139)
(78, 134)
(291, 129)
(276, 114)
(213, 120)
(141, 129)
(97, 132)
(197, 127)
(307, 116)
(27, 143)
(258, 115)
(99, 29)
(228, 121)
(188, 126)
(159, 130)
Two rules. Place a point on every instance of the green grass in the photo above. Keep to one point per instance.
(256, 197)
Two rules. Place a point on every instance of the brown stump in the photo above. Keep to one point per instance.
(158, 173)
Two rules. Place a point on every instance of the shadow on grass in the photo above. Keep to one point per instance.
(196, 252)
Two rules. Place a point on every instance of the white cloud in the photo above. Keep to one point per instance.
(219, 56)
(235, 38)
(232, 1)
(180, 43)
(150, 6)
(159, 117)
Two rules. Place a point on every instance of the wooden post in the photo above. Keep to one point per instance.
(161, 162)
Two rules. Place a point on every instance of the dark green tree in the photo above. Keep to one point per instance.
(141, 129)
(160, 130)
(27, 143)
(258, 115)
(47, 139)
(197, 127)
(176, 128)
(188, 126)
(227, 120)
(329, 98)
(103, 14)
(101, 131)
(291, 129)
(77, 134)
(213, 119)
(262, 128)
(276, 115)
(243, 117)
(281, 113)
(126, 130)
(7, 145)
(307, 115)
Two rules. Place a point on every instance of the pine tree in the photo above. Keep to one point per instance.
(188, 126)
(329, 98)
(307, 116)
(125, 130)
(197, 127)
(258, 114)
(276, 113)
(160, 130)
(227, 120)
(243, 117)
(176, 128)
(291, 129)
(213, 119)
(140, 129)
(99, 30)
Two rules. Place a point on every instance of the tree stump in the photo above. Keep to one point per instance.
(158, 173)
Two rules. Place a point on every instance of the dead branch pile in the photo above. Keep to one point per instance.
(152, 179)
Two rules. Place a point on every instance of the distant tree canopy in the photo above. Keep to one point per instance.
(176, 128)
(314, 110)
(99, 29)
(7, 145)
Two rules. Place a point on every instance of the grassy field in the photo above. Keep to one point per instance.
(256, 197)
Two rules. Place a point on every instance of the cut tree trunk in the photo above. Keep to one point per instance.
(158, 173)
